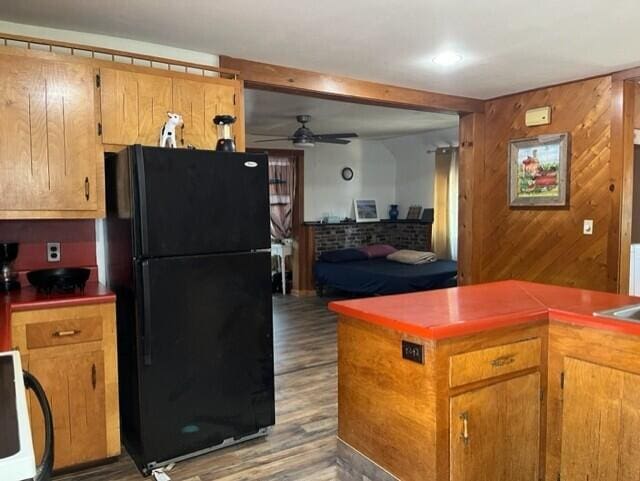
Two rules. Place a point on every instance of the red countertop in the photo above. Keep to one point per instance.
(28, 298)
(458, 311)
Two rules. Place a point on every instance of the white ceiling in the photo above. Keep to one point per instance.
(508, 45)
(274, 114)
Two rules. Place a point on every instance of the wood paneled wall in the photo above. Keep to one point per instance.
(546, 244)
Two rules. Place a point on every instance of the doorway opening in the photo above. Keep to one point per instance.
(402, 159)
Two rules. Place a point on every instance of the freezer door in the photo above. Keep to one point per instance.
(200, 201)
(207, 360)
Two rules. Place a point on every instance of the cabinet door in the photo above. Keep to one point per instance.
(199, 103)
(48, 136)
(600, 423)
(74, 385)
(495, 432)
(134, 106)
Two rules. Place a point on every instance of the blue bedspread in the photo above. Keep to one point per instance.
(380, 276)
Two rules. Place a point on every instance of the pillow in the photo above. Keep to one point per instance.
(343, 255)
(406, 256)
(378, 250)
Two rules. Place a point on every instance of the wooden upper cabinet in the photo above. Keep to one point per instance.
(495, 432)
(600, 423)
(48, 137)
(199, 102)
(134, 106)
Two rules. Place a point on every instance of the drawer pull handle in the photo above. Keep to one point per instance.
(465, 427)
(87, 189)
(503, 360)
(93, 376)
(66, 333)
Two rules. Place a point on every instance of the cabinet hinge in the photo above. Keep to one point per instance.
(93, 376)
(98, 80)
(562, 380)
(100, 128)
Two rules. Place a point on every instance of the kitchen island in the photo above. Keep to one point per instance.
(507, 381)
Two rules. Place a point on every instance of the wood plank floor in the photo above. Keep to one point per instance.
(302, 445)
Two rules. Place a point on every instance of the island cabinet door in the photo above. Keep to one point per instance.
(600, 423)
(495, 432)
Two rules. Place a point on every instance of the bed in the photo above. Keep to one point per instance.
(381, 276)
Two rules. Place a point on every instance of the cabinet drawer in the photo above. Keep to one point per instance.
(494, 361)
(65, 331)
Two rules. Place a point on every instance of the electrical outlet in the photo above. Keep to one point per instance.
(413, 352)
(54, 254)
(587, 227)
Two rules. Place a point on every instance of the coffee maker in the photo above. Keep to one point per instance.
(8, 254)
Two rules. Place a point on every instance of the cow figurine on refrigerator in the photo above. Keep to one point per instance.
(168, 132)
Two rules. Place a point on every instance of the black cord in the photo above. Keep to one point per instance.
(44, 469)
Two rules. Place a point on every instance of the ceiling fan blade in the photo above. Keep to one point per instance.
(331, 141)
(335, 136)
(272, 140)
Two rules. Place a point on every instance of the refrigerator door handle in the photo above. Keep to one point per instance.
(146, 325)
(142, 201)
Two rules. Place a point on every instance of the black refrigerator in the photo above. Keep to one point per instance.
(187, 247)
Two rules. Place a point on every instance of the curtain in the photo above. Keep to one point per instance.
(282, 181)
(445, 202)
(453, 205)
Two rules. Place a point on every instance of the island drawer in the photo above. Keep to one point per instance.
(494, 361)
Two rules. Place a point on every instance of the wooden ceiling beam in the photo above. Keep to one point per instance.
(291, 80)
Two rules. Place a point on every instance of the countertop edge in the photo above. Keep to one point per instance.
(569, 315)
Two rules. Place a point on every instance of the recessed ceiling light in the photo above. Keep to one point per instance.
(447, 58)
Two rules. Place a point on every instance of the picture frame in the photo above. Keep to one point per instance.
(366, 210)
(538, 171)
(414, 212)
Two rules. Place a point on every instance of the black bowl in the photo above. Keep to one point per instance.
(64, 279)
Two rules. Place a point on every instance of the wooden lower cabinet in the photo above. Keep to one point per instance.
(76, 391)
(72, 353)
(495, 431)
(600, 423)
(438, 420)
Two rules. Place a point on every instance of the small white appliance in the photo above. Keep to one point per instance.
(17, 459)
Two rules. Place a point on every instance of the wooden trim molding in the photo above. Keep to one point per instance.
(87, 51)
(286, 79)
(623, 101)
(471, 165)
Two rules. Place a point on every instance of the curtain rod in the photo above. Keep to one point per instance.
(442, 149)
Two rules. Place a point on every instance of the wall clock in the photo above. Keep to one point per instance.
(347, 173)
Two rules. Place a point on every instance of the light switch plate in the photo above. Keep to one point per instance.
(587, 227)
(54, 254)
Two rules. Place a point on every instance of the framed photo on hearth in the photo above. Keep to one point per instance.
(538, 170)
(366, 210)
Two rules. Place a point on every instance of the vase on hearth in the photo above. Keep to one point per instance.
(393, 212)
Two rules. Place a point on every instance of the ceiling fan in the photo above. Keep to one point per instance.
(304, 137)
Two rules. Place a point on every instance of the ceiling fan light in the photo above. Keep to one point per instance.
(304, 143)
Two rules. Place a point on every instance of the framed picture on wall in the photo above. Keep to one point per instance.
(366, 210)
(538, 170)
